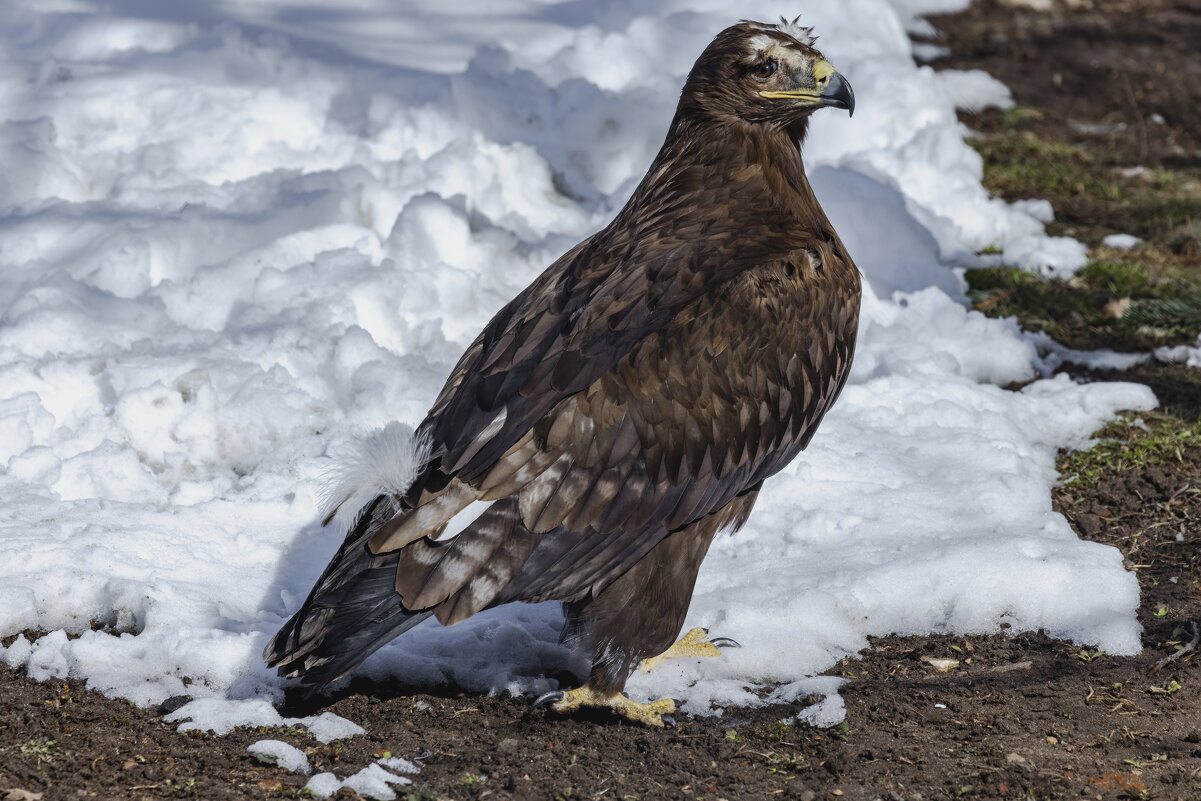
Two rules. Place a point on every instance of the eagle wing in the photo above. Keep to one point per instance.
(627, 420)
(589, 309)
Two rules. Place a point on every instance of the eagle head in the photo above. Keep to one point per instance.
(764, 73)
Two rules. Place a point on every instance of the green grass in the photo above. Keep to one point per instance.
(41, 750)
(418, 795)
(773, 732)
(279, 731)
(1164, 308)
(1118, 277)
(1131, 300)
(1021, 164)
(1131, 441)
(1166, 314)
(1018, 115)
(1058, 307)
(1163, 209)
(1089, 193)
(469, 779)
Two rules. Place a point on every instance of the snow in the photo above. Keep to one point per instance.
(372, 782)
(328, 727)
(280, 753)
(222, 716)
(400, 765)
(1121, 241)
(323, 785)
(1190, 355)
(237, 238)
(1053, 354)
(829, 710)
(975, 90)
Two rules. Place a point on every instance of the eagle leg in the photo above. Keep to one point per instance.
(692, 644)
(654, 713)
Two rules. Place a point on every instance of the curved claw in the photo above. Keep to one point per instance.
(725, 642)
(552, 697)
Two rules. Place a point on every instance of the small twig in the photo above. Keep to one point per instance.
(1183, 650)
(984, 304)
(1013, 666)
(1138, 116)
(1178, 492)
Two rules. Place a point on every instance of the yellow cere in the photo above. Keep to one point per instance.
(823, 69)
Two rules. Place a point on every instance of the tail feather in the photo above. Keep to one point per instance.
(352, 611)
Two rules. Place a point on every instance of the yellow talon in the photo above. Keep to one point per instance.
(655, 713)
(691, 644)
(651, 714)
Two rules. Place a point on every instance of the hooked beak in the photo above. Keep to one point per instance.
(839, 94)
(832, 90)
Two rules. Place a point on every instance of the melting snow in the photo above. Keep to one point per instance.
(1121, 241)
(372, 782)
(1190, 355)
(277, 752)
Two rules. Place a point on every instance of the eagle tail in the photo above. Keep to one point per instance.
(352, 611)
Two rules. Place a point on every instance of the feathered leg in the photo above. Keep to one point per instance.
(637, 616)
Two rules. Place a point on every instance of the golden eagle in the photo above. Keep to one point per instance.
(629, 403)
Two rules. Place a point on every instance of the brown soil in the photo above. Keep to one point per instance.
(1020, 717)
(1096, 71)
(1115, 84)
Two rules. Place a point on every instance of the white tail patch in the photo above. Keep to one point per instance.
(457, 524)
(385, 462)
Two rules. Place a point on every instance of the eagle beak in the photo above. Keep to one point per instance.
(839, 94)
(834, 90)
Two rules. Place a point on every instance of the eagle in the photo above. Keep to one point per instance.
(626, 406)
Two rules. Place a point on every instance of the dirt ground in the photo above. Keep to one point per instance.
(1019, 717)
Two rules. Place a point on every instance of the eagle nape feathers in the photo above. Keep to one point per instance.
(629, 403)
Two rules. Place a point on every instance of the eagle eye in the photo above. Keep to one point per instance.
(766, 69)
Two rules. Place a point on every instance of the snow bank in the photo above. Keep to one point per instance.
(235, 239)
(975, 90)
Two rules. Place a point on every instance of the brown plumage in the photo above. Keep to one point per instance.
(631, 401)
